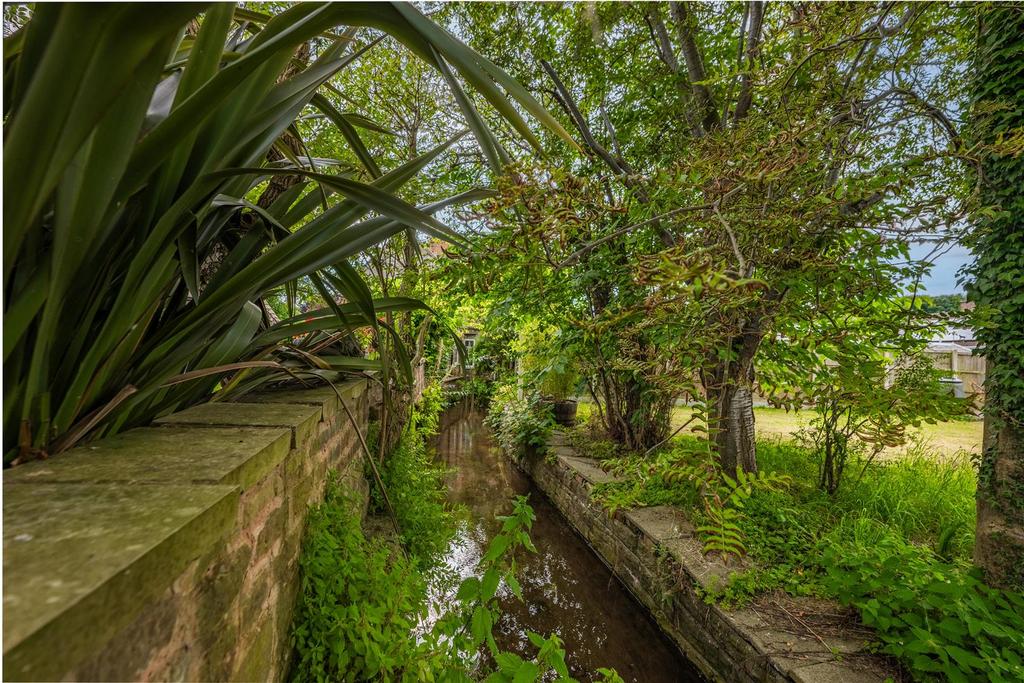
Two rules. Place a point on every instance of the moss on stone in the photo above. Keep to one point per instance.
(259, 658)
(181, 454)
(325, 397)
(82, 560)
(301, 419)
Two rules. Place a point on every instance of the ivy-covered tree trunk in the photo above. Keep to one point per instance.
(998, 291)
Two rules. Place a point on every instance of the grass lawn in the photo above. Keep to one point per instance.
(944, 438)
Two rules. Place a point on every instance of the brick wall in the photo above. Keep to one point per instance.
(171, 552)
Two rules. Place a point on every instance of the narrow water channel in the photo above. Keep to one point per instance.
(566, 588)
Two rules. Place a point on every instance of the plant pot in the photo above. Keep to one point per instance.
(564, 411)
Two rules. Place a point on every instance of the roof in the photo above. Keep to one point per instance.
(948, 347)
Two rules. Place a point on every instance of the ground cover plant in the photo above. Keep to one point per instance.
(415, 485)
(361, 603)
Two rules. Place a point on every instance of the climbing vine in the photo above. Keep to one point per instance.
(997, 288)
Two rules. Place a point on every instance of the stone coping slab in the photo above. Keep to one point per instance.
(587, 468)
(660, 521)
(301, 419)
(325, 397)
(171, 454)
(80, 558)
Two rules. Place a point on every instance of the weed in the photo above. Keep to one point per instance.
(415, 485)
(519, 425)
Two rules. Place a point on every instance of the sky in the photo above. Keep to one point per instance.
(943, 277)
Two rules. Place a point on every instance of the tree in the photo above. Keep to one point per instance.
(796, 141)
(532, 227)
(998, 288)
(809, 158)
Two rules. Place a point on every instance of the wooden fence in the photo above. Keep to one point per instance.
(970, 369)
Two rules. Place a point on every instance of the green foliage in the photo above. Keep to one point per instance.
(724, 504)
(941, 303)
(684, 475)
(415, 485)
(860, 411)
(921, 497)
(707, 228)
(520, 426)
(362, 609)
(896, 543)
(581, 317)
(546, 360)
(643, 485)
(139, 231)
(475, 388)
(357, 602)
(940, 619)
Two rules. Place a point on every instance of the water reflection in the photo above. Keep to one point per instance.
(566, 589)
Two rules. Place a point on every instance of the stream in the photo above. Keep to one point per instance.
(566, 588)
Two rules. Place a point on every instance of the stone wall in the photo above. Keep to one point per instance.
(654, 553)
(171, 552)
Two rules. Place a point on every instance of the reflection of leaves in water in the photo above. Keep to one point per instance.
(566, 589)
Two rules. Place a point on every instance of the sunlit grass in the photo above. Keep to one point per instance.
(945, 439)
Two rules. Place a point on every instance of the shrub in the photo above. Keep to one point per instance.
(519, 425)
(478, 389)
(357, 602)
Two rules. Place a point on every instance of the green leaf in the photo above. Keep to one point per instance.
(489, 583)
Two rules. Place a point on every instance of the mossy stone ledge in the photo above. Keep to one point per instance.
(170, 551)
(301, 419)
(80, 559)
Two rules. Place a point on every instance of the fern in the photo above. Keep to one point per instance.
(724, 498)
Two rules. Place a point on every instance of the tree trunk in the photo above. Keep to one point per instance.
(999, 545)
(728, 388)
(731, 418)
(736, 444)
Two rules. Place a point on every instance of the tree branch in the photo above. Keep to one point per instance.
(695, 65)
(752, 49)
(565, 100)
(663, 45)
